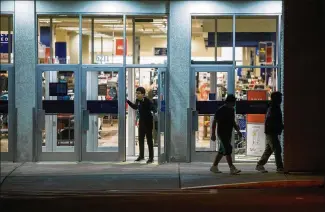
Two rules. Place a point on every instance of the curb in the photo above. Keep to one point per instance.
(265, 184)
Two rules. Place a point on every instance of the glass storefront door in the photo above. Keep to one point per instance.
(162, 115)
(7, 112)
(57, 113)
(154, 81)
(209, 87)
(103, 114)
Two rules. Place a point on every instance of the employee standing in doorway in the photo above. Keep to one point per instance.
(144, 108)
(273, 129)
(225, 117)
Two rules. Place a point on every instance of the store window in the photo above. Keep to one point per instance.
(212, 38)
(146, 40)
(102, 40)
(253, 84)
(6, 44)
(256, 37)
(58, 39)
(4, 117)
(208, 83)
(252, 79)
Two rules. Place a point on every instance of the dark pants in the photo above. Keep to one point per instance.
(272, 145)
(145, 130)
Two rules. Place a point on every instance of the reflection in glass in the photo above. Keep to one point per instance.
(58, 135)
(4, 118)
(212, 38)
(151, 34)
(256, 37)
(59, 43)
(6, 32)
(102, 40)
(253, 84)
(102, 135)
(208, 83)
(147, 78)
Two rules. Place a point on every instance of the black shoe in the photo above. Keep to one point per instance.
(139, 159)
(149, 161)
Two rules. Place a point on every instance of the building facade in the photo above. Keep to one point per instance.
(70, 66)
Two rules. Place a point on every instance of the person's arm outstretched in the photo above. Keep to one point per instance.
(132, 105)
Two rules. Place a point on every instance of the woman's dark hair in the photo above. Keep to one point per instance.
(141, 90)
(275, 96)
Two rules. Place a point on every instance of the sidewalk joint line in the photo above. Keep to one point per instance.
(4, 179)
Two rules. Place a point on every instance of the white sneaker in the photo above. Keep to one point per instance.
(234, 170)
(215, 169)
(261, 169)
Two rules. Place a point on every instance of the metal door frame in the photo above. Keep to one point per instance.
(39, 116)
(12, 114)
(162, 157)
(203, 156)
(104, 156)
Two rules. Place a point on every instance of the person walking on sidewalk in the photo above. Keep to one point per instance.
(273, 129)
(144, 107)
(225, 117)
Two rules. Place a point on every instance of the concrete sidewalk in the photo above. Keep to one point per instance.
(58, 177)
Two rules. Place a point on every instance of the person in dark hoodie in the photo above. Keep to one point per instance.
(273, 129)
(145, 107)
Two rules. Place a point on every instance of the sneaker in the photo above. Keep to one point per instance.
(139, 159)
(280, 170)
(261, 169)
(149, 161)
(215, 169)
(234, 170)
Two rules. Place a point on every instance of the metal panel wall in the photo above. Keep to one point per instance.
(101, 7)
(7, 6)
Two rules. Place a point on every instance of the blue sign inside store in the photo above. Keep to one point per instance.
(4, 43)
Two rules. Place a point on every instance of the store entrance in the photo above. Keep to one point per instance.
(7, 112)
(57, 118)
(154, 81)
(103, 114)
(209, 87)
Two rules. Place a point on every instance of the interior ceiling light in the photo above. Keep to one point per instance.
(72, 28)
(107, 21)
(113, 26)
(48, 21)
(158, 36)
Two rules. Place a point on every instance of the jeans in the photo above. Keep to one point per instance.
(272, 145)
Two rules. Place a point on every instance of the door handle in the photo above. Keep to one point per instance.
(85, 120)
(41, 119)
(195, 120)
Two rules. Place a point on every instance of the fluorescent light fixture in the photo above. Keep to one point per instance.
(48, 21)
(107, 21)
(113, 26)
(158, 36)
(72, 28)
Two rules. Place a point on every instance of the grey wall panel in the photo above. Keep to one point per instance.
(7, 6)
(230, 7)
(25, 77)
(101, 6)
